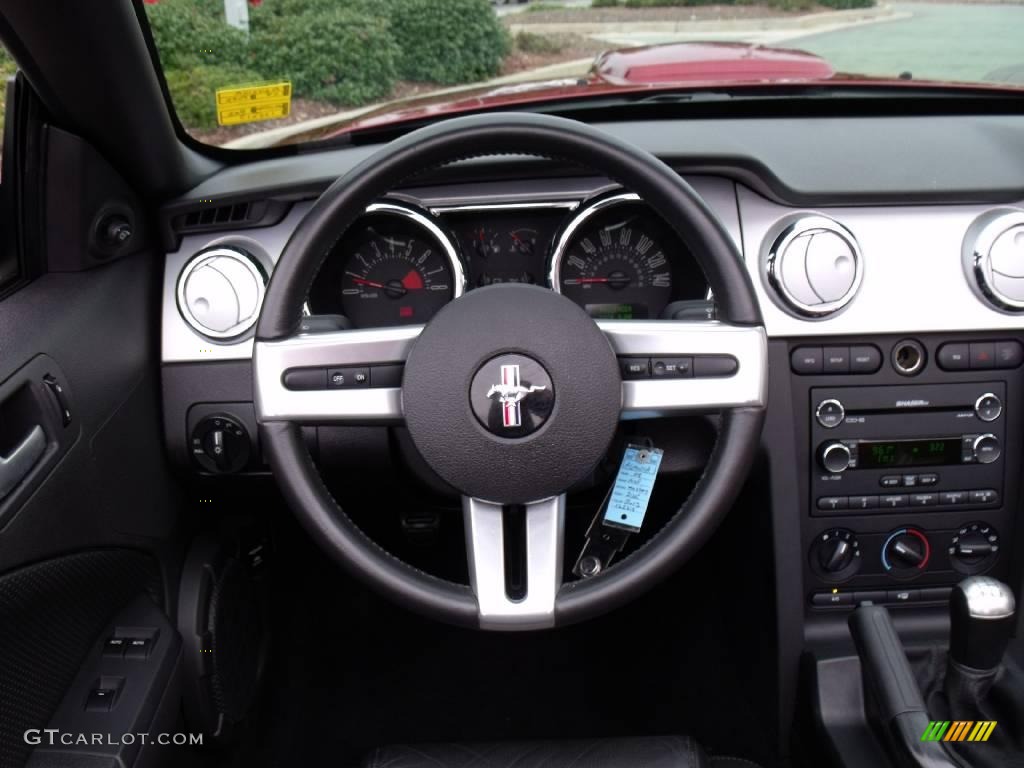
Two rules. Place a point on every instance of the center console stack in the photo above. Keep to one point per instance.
(907, 446)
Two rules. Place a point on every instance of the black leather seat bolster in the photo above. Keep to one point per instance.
(648, 752)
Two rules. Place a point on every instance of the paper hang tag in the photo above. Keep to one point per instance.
(631, 493)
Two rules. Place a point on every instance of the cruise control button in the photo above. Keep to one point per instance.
(863, 502)
(635, 367)
(953, 498)
(983, 496)
(832, 503)
(890, 481)
(954, 357)
(892, 500)
(865, 359)
(1009, 354)
(806, 360)
(347, 378)
(671, 367)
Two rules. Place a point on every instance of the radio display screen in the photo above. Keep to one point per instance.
(908, 453)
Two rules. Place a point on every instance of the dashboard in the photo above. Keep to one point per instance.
(894, 323)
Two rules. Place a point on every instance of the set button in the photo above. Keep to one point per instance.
(980, 355)
(702, 366)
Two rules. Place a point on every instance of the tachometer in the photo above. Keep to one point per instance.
(394, 266)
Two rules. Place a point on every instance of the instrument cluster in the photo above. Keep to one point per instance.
(399, 264)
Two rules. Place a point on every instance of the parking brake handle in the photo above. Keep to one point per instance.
(888, 677)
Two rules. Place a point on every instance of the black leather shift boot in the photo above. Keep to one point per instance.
(952, 692)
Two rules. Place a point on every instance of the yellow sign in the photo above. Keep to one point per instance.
(253, 103)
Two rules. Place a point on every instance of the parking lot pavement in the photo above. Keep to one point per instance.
(937, 41)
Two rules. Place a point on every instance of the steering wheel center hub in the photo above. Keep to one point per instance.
(512, 394)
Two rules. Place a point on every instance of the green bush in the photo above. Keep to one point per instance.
(447, 41)
(604, 3)
(193, 91)
(189, 34)
(843, 5)
(341, 56)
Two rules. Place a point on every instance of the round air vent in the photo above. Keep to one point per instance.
(220, 292)
(994, 258)
(814, 266)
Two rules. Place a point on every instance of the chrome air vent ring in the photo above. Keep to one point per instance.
(813, 266)
(993, 256)
(220, 292)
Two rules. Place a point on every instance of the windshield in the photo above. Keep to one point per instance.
(259, 73)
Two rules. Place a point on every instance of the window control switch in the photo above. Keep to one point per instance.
(138, 648)
(100, 699)
(114, 647)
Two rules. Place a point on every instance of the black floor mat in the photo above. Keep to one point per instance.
(351, 672)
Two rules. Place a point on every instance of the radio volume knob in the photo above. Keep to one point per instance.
(986, 448)
(835, 457)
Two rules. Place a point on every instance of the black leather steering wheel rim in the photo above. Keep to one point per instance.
(465, 138)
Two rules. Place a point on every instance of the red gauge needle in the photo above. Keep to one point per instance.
(371, 283)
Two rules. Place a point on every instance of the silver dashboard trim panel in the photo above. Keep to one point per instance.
(649, 398)
(485, 549)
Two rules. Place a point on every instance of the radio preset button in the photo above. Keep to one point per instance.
(892, 500)
(830, 413)
(924, 499)
(832, 503)
(988, 407)
(890, 481)
(863, 502)
(984, 496)
(953, 498)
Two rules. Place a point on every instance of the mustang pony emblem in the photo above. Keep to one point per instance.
(510, 392)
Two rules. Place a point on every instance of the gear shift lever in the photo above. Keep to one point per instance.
(981, 614)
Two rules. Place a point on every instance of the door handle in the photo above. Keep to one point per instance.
(20, 461)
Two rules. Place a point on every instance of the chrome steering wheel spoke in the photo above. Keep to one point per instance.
(326, 351)
(654, 396)
(516, 595)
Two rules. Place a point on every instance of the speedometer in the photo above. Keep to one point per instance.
(617, 259)
(394, 266)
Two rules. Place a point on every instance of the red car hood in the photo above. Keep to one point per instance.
(630, 70)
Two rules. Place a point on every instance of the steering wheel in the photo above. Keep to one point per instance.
(466, 360)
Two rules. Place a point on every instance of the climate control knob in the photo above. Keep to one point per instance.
(906, 553)
(835, 554)
(974, 547)
(835, 457)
